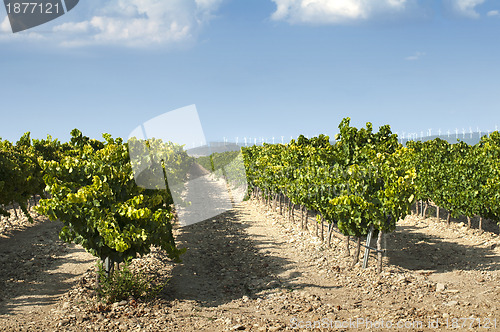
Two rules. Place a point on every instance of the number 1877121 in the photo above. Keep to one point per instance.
(32, 8)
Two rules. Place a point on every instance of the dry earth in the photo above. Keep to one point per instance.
(250, 269)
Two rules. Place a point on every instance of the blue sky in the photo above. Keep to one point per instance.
(258, 68)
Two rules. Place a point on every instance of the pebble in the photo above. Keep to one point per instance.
(440, 287)
(238, 328)
(63, 322)
(273, 284)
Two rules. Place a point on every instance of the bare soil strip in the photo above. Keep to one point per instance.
(249, 269)
(36, 269)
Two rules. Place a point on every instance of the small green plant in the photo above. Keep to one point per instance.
(124, 283)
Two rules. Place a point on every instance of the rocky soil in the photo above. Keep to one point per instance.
(249, 269)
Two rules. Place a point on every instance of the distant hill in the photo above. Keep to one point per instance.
(212, 147)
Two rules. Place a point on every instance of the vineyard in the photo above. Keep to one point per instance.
(361, 186)
(368, 181)
(89, 185)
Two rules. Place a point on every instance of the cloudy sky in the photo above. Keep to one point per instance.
(260, 68)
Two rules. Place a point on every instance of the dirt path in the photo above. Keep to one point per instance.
(36, 269)
(249, 269)
(207, 194)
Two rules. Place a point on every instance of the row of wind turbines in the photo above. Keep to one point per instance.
(245, 141)
(414, 136)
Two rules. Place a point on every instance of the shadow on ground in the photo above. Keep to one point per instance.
(224, 263)
(29, 274)
(410, 248)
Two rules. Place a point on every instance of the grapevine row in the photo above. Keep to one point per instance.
(463, 179)
(93, 190)
(361, 182)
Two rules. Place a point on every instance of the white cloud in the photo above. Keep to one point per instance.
(493, 13)
(74, 27)
(415, 57)
(133, 23)
(333, 12)
(466, 8)
(207, 6)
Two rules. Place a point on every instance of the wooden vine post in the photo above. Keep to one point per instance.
(306, 218)
(424, 213)
(379, 251)
(347, 251)
(322, 236)
(302, 208)
(317, 227)
(367, 249)
(356, 252)
(281, 203)
(329, 235)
